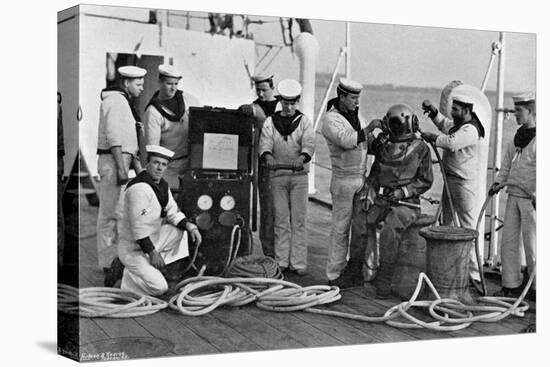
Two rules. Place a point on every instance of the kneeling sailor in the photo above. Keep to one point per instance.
(152, 230)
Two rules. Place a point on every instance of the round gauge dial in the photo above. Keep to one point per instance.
(227, 202)
(205, 202)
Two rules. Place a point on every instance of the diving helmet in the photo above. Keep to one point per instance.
(401, 122)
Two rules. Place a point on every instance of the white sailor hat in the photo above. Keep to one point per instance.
(158, 151)
(260, 78)
(524, 98)
(130, 71)
(169, 71)
(349, 86)
(463, 98)
(289, 89)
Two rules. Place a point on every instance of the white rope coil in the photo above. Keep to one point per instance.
(105, 302)
(200, 295)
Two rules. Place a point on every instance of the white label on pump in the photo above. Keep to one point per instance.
(221, 151)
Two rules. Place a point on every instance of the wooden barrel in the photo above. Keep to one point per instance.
(448, 254)
(411, 258)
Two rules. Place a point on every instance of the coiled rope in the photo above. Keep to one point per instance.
(269, 294)
(253, 266)
(200, 295)
(105, 302)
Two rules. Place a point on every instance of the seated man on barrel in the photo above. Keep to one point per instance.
(401, 172)
(152, 230)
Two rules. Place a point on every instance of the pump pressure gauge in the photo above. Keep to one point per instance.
(227, 202)
(205, 202)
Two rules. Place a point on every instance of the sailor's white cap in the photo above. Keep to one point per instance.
(524, 98)
(158, 151)
(350, 86)
(289, 89)
(169, 71)
(130, 71)
(260, 78)
(463, 98)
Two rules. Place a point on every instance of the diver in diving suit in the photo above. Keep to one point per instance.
(401, 172)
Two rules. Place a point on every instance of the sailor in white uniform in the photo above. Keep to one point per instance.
(152, 230)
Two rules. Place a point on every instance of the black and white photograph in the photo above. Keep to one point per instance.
(237, 185)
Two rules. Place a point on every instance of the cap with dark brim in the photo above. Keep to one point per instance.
(524, 98)
(169, 71)
(289, 90)
(131, 71)
(262, 78)
(350, 86)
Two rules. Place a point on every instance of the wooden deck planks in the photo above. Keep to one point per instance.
(266, 336)
(290, 323)
(161, 325)
(90, 331)
(222, 337)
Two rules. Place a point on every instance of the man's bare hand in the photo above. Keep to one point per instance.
(156, 259)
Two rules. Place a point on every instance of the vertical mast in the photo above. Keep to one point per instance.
(498, 147)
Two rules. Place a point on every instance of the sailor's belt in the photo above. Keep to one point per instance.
(108, 151)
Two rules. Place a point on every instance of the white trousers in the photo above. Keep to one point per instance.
(342, 191)
(467, 204)
(108, 194)
(290, 208)
(139, 275)
(520, 225)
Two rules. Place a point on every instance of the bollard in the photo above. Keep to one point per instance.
(448, 255)
(411, 258)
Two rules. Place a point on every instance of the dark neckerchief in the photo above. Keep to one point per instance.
(474, 121)
(286, 125)
(524, 136)
(135, 112)
(352, 117)
(160, 189)
(176, 105)
(267, 106)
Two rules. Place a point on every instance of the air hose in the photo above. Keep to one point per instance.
(232, 254)
(445, 186)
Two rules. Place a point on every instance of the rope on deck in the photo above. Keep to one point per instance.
(200, 295)
(105, 302)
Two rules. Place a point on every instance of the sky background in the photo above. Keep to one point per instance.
(416, 56)
(29, 165)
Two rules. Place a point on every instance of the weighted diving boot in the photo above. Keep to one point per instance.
(383, 281)
(352, 276)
